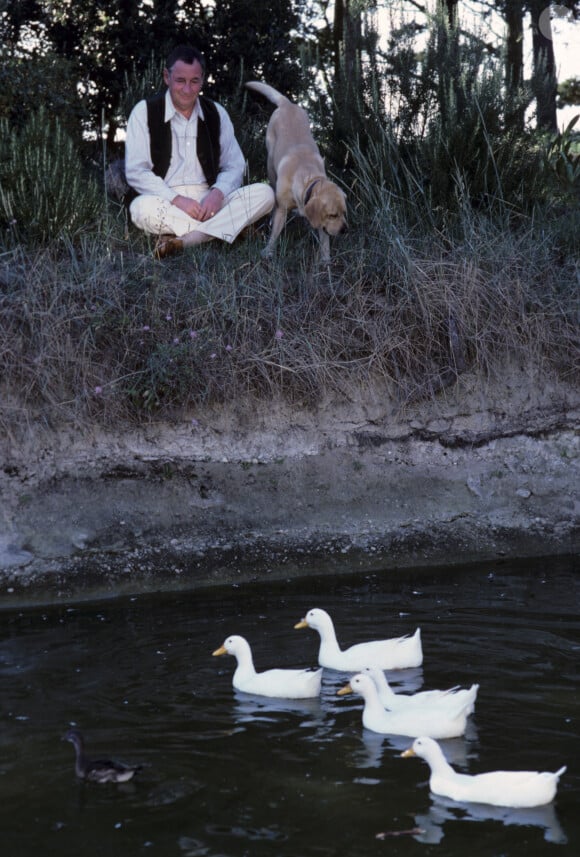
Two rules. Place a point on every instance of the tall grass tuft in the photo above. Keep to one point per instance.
(46, 190)
(102, 333)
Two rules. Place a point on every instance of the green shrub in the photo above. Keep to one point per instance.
(48, 82)
(46, 191)
(142, 84)
(452, 133)
(562, 159)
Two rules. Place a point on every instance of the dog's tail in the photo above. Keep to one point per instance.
(268, 91)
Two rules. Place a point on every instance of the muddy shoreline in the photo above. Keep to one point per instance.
(231, 497)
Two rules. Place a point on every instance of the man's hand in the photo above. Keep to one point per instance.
(203, 210)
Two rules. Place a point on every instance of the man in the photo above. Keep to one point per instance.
(184, 163)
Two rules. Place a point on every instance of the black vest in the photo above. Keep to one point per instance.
(208, 139)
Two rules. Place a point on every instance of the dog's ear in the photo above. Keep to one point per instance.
(314, 211)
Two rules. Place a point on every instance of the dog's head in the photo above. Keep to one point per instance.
(326, 208)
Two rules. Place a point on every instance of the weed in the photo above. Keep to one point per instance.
(111, 336)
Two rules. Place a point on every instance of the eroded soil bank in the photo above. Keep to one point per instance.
(237, 495)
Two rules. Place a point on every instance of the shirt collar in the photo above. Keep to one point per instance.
(170, 110)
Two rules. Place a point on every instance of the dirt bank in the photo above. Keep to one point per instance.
(236, 495)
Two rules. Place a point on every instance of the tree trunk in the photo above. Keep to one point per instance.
(347, 44)
(544, 81)
(338, 37)
(514, 73)
(451, 7)
(347, 40)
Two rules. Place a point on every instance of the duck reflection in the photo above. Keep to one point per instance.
(371, 754)
(405, 681)
(431, 824)
(251, 707)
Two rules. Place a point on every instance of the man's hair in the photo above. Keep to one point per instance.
(186, 54)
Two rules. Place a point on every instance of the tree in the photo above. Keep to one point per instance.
(247, 44)
(107, 41)
(112, 39)
(355, 89)
(16, 17)
(544, 80)
(514, 17)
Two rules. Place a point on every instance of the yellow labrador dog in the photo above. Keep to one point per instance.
(296, 171)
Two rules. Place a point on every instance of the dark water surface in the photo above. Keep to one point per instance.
(227, 774)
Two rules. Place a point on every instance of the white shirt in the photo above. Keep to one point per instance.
(184, 167)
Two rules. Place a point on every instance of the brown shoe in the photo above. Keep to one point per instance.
(168, 245)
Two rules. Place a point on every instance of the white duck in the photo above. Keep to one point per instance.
(396, 701)
(442, 722)
(283, 683)
(393, 654)
(516, 789)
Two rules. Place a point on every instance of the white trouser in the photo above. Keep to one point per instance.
(242, 207)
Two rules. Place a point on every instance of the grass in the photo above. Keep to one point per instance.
(94, 330)
(461, 260)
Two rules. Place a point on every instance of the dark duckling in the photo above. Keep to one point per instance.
(98, 770)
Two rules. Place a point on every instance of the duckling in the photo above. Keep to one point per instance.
(98, 770)
(396, 653)
(515, 789)
(281, 683)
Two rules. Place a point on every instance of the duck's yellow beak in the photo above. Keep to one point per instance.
(406, 754)
(302, 624)
(221, 651)
(344, 690)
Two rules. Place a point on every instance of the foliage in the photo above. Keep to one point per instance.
(100, 331)
(43, 81)
(453, 72)
(243, 47)
(562, 158)
(45, 189)
(450, 141)
(109, 41)
(569, 92)
(141, 84)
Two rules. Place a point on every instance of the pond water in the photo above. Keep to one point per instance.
(225, 774)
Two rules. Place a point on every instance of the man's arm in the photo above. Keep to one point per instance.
(232, 161)
(230, 175)
(138, 163)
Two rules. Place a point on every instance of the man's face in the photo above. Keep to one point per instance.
(184, 82)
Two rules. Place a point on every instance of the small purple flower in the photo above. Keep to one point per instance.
(213, 356)
(168, 317)
(279, 334)
(193, 334)
(194, 422)
(98, 390)
(146, 327)
(229, 348)
(176, 339)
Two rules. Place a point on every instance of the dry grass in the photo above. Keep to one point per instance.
(99, 331)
